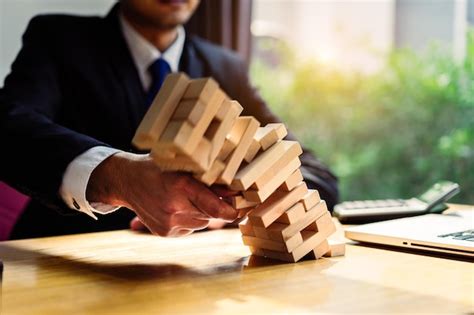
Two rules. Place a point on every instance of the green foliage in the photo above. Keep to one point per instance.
(389, 134)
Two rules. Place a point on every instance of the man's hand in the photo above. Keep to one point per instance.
(168, 203)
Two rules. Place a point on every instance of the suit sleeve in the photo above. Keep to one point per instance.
(36, 150)
(316, 174)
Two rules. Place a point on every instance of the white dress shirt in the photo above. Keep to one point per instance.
(76, 177)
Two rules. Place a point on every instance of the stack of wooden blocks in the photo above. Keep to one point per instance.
(193, 126)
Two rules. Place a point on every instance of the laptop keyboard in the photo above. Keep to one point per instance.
(464, 235)
(367, 204)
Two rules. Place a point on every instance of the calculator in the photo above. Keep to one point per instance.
(365, 211)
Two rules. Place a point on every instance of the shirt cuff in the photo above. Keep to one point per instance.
(76, 177)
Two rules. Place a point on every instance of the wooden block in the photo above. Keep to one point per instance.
(243, 212)
(285, 247)
(321, 250)
(190, 110)
(186, 138)
(292, 181)
(256, 251)
(236, 157)
(292, 150)
(201, 154)
(211, 131)
(166, 145)
(280, 231)
(239, 202)
(263, 243)
(270, 134)
(222, 112)
(212, 174)
(233, 110)
(226, 149)
(160, 111)
(269, 188)
(197, 162)
(203, 88)
(245, 228)
(292, 215)
(266, 213)
(238, 129)
(260, 232)
(314, 225)
(253, 150)
(336, 248)
(325, 222)
(311, 240)
(311, 199)
(247, 175)
(279, 128)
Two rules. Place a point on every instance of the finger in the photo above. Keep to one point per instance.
(208, 202)
(215, 224)
(183, 232)
(185, 221)
(137, 225)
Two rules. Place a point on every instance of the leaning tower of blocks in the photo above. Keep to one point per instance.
(193, 126)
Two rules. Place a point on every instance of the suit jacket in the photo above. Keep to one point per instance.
(73, 86)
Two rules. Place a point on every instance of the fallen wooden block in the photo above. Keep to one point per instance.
(245, 228)
(292, 215)
(256, 251)
(219, 134)
(269, 211)
(336, 248)
(158, 115)
(212, 174)
(292, 181)
(203, 89)
(270, 187)
(311, 240)
(252, 151)
(321, 250)
(186, 136)
(190, 110)
(237, 156)
(243, 212)
(270, 134)
(279, 128)
(280, 231)
(285, 247)
(247, 175)
(239, 202)
(311, 199)
(292, 150)
(198, 162)
(260, 232)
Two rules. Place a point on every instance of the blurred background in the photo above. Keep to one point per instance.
(381, 90)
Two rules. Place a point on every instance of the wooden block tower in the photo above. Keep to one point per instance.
(193, 126)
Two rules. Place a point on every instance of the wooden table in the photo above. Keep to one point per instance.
(123, 272)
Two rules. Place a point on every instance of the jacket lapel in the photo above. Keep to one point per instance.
(124, 70)
(190, 62)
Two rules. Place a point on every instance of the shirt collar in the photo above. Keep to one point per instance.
(144, 53)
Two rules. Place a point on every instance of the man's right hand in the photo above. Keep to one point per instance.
(168, 203)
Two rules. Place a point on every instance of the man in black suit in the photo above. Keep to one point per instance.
(70, 106)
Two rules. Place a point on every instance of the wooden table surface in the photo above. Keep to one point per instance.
(123, 272)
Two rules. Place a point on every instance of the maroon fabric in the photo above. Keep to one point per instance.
(12, 204)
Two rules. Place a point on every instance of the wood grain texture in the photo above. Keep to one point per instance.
(122, 272)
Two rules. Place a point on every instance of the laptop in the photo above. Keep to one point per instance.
(452, 234)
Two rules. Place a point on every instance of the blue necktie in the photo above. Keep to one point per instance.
(158, 70)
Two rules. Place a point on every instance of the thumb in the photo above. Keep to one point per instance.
(137, 225)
